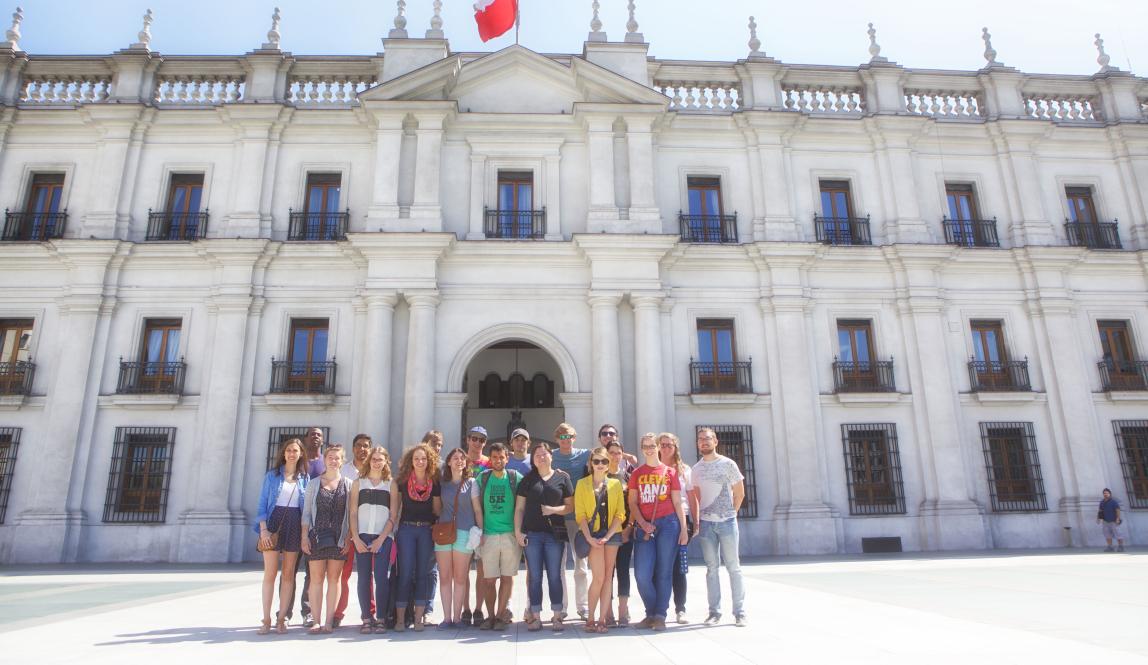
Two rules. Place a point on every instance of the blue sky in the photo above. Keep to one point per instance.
(1049, 36)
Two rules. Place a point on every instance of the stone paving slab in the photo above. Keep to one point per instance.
(972, 608)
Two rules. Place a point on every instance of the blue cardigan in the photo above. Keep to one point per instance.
(272, 482)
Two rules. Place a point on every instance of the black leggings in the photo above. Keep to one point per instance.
(622, 568)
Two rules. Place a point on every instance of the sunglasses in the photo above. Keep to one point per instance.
(650, 447)
(565, 437)
(476, 438)
(600, 461)
(607, 434)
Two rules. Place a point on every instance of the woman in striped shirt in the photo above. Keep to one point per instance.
(371, 528)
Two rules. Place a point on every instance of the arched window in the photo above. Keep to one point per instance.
(490, 391)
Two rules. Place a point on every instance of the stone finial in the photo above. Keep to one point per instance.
(874, 47)
(596, 34)
(400, 29)
(990, 52)
(435, 31)
(12, 36)
(273, 35)
(754, 42)
(632, 34)
(1103, 59)
(144, 35)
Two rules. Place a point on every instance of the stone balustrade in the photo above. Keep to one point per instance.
(691, 87)
(944, 103)
(1063, 107)
(323, 82)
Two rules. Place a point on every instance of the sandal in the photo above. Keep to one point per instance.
(327, 630)
(281, 626)
(533, 623)
(366, 628)
(601, 628)
(264, 628)
(380, 627)
(556, 624)
(590, 627)
(315, 630)
(623, 620)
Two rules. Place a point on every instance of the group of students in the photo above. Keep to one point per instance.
(419, 527)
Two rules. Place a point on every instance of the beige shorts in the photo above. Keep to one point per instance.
(500, 556)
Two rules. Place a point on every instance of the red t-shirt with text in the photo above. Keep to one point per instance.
(654, 484)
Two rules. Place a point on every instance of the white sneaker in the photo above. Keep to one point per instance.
(740, 621)
(681, 617)
(712, 620)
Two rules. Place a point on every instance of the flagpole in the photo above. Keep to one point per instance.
(517, 17)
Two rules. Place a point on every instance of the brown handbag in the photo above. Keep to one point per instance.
(445, 533)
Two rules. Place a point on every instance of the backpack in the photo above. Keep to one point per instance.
(484, 478)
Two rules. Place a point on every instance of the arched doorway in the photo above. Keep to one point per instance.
(513, 383)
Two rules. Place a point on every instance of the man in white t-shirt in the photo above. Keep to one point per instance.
(721, 489)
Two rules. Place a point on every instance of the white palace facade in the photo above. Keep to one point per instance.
(913, 303)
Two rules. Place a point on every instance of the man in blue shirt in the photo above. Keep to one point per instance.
(1109, 518)
(519, 444)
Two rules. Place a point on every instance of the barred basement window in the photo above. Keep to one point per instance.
(9, 443)
(1132, 442)
(1015, 483)
(736, 443)
(280, 434)
(873, 469)
(140, 474)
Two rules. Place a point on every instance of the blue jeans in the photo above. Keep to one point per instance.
(654, 562)
(415, 551)
(721, 538)
(380, 564)
(544, 554)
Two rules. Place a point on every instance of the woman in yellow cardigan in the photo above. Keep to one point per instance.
(600, 511)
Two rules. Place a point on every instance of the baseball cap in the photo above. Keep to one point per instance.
(519, 432)
(479, 430)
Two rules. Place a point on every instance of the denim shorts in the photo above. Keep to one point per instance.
(459, 544)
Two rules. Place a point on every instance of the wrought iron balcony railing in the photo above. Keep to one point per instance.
(16, 377)
(971, 232)
(999, 376)
(727, 377)
(708, 228)
(863, 377)
(33, 226)
(1094, 235)
(843, 230)
(1124, 374)
(303, 378)
(151, 378)
(176, 225)
(515, 224)
(318, 226)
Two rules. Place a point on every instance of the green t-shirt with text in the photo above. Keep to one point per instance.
(498, 505)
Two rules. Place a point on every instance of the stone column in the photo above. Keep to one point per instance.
(804, 522)
(477, 197)
(388, 149)
(418, 399)
(950, 519)
(428, 160)
(649, 382)
(607, 372)
(891, 137)
(553, 188)
(375, 387)
(206, 525)
(640, 145)
(116, 125)
(42, 529)
(603, 207)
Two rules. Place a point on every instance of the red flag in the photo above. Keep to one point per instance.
(494, 17)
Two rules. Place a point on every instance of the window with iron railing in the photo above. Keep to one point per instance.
(43, 217)
(706, 221)
(1132, 443)
(717, 369)
(320, 219)
(1012, 466)
(306, 369)
(963, 225)
(990, 368)
(515, 218)
(855, 368)
(140, 475)
(736, 443)
(182, 218)
(873, 469)
(1084, 228)
(838, 224)
(160, 369)
(1120, 369)
(9, 446)
(16, 367)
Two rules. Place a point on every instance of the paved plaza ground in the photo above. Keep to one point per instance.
(1004, 607)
